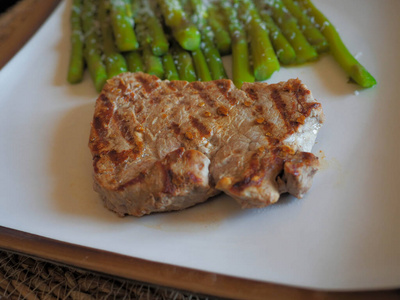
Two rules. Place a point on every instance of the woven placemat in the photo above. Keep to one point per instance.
(24, 277)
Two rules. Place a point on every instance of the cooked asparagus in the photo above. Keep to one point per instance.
(288, 24)
(338, 49)
(91, 49)
(312, 34)
(115, 62)
(158, 40)
(265, 62)
(284, 51)
(76, 61)
(171, 73)
(222, 37)
(241, 70)
(121, 22)
(134, 61)
(207, 60)
(185, 33)
(184, 64)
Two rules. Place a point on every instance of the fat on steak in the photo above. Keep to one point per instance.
(167, 145)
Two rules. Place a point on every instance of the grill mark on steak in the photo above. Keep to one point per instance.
(138, 179)
(252, 93)
(126, 128)
(254, 175)
(201, 128)
(281, 107)
(148, 83)
(198, 86)
(297, 89)
(101, 122)
(170, 180)
(224, 87)
(119, 157)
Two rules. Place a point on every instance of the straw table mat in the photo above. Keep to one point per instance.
(27, 277)
(24, 277)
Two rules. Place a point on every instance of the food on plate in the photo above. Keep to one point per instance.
(338, 49)
(114, 61)
(259, 34)
(167, 145)
(290, 29)
(241, 67)
(76, 62)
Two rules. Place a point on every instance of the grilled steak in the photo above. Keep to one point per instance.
(167, 145)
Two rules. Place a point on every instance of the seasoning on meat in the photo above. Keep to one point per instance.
(154, 156)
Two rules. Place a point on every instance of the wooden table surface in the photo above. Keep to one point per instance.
(17, 25)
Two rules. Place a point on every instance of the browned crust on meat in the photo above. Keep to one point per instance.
(149, 138)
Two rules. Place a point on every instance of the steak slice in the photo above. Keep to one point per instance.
(167, 145)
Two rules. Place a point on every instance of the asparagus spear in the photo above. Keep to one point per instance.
(265, 62)
(185, 33)
(222, 37)
(76, 61)
(184, 64)
(115, 62)
(91, 50)
(200, 65)
(241, 71)
(133, 58)
(171, 73)
(339, 51)
(125, 37)
(207, 60)
(134, 61)
(288, 24)
(152, 63)
(284, 51)
(159, 43)
(312, 34)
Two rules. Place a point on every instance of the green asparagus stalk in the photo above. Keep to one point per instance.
(200, 65)
(284, 51)
(91, 49)
(213, 57)
(338, 49)
(207, 60)
(134, 61)
(115, 62)
(241, 71)
(312, 34)
(76, 61)
(171, 73)
(222, 37)
(265, 62)
(288, 24)
(152, 63)
(184, 64)
(185, 33)
(159, 43)
(125, 37)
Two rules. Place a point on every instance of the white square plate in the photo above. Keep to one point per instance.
(344, 235)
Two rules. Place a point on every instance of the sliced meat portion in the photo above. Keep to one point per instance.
(161, 145)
